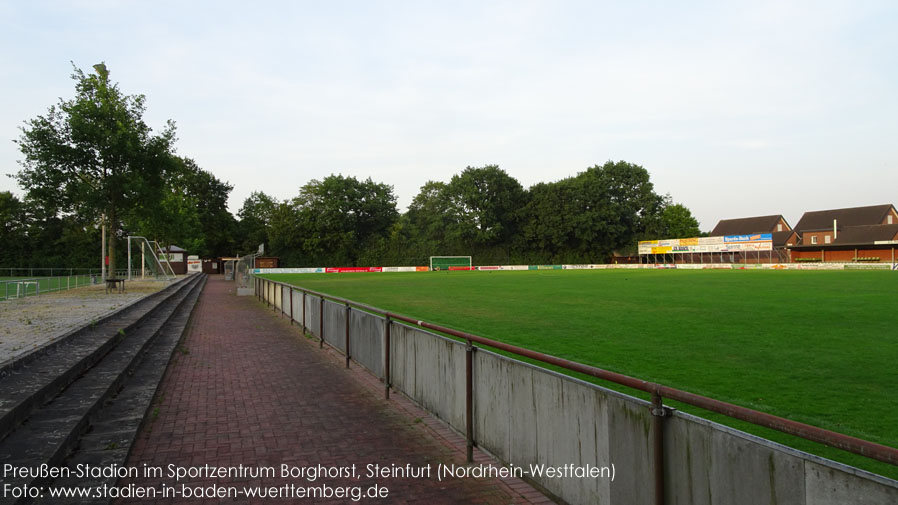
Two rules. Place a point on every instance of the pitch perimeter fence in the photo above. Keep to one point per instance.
(21, 287)
(528, 415)
(22, 282)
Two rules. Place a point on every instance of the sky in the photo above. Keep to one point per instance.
(736, 109)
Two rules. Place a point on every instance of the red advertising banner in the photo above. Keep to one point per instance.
(348, 270)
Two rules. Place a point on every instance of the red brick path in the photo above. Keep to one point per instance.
(246, 388)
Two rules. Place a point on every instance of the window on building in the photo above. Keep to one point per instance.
(827, 239)
(779, 227)
(813, 239)
(890, 218)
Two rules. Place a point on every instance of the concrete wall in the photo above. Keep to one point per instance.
(527, 415)
(297, 307)
(366, 341)
(335, 325)
(430, 369)
(313, 315)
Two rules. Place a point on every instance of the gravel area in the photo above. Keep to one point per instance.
(29, 323)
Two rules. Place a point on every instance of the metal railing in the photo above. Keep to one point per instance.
(46, 271)
(35, 286)
(265, 290)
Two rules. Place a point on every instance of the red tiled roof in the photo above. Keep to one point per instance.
(747, 225)
(855, 216)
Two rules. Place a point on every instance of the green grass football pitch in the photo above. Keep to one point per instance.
(819, 347)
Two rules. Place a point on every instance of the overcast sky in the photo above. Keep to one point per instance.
(736, 109)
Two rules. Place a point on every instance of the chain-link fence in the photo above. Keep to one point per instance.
(244, 270)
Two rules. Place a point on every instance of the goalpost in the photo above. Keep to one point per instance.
(451, 263)
(151, 265)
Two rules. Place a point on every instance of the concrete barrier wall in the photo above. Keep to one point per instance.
(335, 325)
(527, 415)
(708, 463)
(431, 370)
(297, 307)
(366, 341)
(313, 315)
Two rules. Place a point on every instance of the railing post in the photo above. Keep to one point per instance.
(658, 414)
(268, 292)
(469, 401)
(291, 305)
(321, 323)
(303, 312)
(388, 324)
(348, 315)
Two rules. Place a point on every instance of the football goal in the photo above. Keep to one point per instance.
(451, 263)
(152, 263)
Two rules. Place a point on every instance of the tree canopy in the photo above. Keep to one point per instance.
(92, 160)
(94, 155)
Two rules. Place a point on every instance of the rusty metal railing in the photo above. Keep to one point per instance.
(658, 392)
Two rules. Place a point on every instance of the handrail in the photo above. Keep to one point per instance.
(841, 441)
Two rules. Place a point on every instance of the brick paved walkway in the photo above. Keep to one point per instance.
(246, 388)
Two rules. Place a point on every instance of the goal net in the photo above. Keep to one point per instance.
(451, 263)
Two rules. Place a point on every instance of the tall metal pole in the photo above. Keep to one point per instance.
(129, 257)
(103, 248)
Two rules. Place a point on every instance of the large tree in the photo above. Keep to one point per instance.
(487, 202)
(430, 218)
(12, 230)
(333, 220)
(197, 202)
(255, 222)
(93, 155)
(616, 204)
(602, 210)
(673, 221)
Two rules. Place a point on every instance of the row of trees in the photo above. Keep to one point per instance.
(483, 212)
(93, 161)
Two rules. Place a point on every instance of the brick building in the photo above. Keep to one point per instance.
(860, 234)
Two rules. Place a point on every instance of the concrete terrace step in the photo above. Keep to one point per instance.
(52, 430)
(31, 380)
(114, 427)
